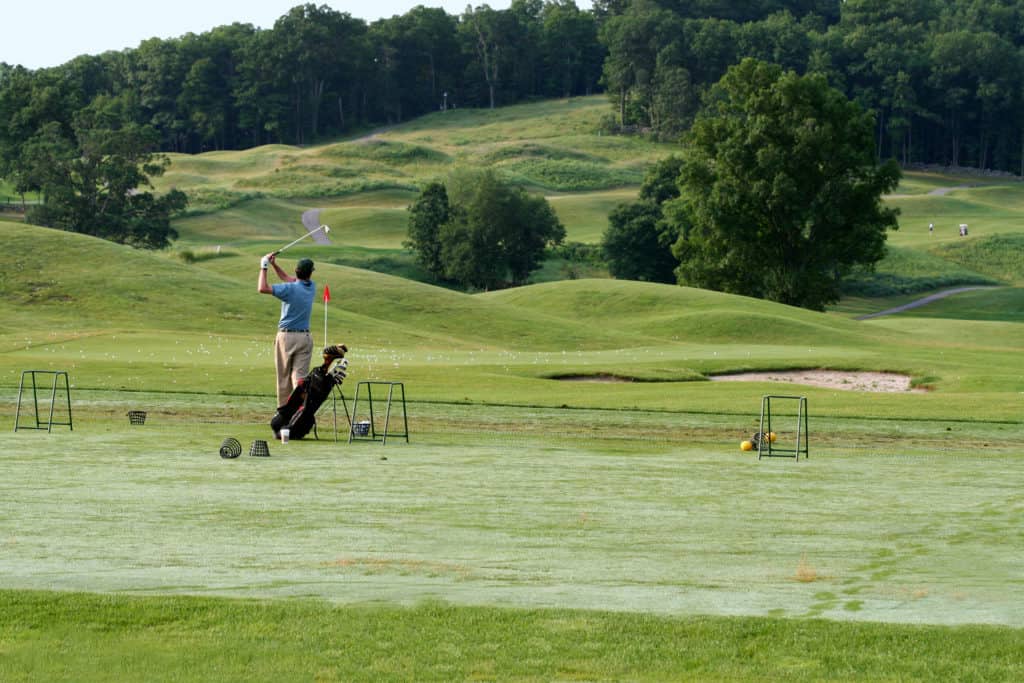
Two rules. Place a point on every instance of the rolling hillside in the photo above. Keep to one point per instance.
(125, 319)
(196, 323)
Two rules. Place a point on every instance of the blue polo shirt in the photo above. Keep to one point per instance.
(296, 303)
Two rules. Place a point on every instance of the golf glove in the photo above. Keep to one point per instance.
(265, 262)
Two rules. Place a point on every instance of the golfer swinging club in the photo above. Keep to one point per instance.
(293, 347)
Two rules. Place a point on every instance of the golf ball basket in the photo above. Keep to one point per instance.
(766, 447)
(137, 417)
(230, 448)
(259, 449)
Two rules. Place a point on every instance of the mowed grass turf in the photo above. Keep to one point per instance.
(505, 543)
(160, 638)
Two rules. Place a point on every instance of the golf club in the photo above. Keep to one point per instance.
(325, 228)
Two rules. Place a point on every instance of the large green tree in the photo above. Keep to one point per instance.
(481, 232)
(96, 182)
(426, 216)
(780, 190)
(637, 245)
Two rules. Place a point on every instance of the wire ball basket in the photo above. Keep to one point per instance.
(230, 448)
(137, 417)
(259, 449)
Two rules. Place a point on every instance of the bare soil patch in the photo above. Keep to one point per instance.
(829, 379)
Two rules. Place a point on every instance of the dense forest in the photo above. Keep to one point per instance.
(943, 78)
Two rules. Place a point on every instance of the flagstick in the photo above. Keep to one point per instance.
(326, 299)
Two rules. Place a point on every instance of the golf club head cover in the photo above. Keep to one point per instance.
(334, 352)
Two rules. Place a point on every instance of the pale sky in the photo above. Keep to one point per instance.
(38, 34)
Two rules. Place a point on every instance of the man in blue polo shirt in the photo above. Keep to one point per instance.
(293, 347)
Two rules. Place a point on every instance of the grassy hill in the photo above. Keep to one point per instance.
(129, 319)
(505, 344)
(364, 185)
(550, 147)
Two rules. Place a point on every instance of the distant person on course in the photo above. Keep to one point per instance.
(293, 347)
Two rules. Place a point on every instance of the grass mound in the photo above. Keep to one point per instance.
(999, 257)
(907, 270)
(385, 151)
(569, 175)
(71, 281)
(673, 313)
(996, 305)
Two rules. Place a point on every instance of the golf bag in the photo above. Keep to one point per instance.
(298, 413)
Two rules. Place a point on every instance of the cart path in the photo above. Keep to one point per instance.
(921, 302)
(311, 221)
(943, 191)
(938, 191)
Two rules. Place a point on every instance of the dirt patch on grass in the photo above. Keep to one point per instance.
(829, 379)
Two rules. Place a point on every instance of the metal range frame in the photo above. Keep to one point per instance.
(373, 434)
(48, 425)
(765, 448)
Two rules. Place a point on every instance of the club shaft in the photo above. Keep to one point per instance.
(294, 242)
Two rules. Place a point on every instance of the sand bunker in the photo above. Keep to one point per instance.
(830, 379)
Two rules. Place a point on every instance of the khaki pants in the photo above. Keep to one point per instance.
(293, 352)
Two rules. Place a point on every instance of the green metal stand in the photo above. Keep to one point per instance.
(765, 447)
(355, 432)
(48, 425)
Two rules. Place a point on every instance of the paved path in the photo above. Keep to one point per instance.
(311, 221)
(942, 191)
(939, 191)
(920, 302)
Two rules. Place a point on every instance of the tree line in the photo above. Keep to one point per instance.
(316, 73)
(943, 81)
(943, 78)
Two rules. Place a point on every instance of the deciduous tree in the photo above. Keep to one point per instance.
(426, 216)
(638, 242)
(480, 231)
(780, 190)
(96, 182)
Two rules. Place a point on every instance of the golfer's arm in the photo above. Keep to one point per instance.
(285, 277)
(262, 286)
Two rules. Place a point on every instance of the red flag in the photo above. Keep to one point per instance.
(327, 293)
